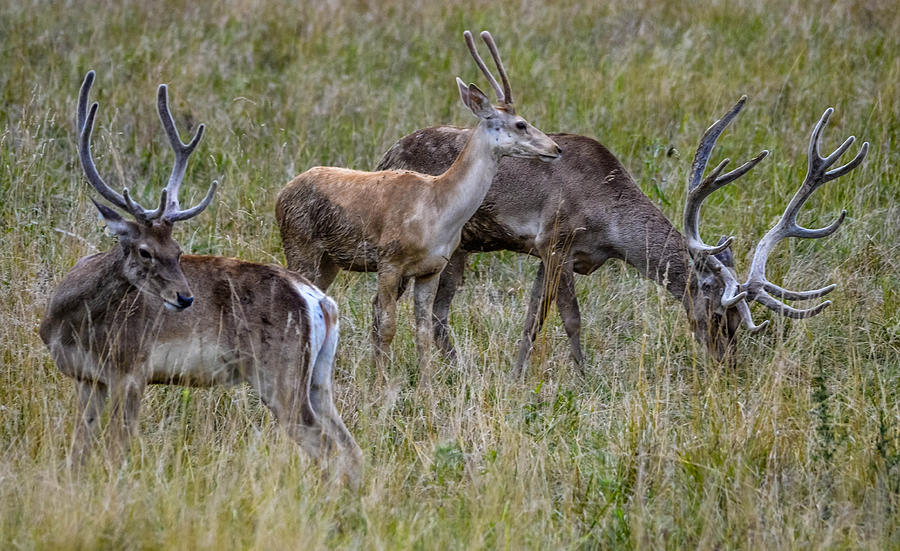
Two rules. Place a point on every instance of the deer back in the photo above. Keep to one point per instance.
(245, 316)
(586, 198)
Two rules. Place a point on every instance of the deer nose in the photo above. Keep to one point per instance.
(184, 301)
(558, 150)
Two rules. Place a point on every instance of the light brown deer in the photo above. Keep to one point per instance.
(402, 224)
(577, 213)
(126, 318)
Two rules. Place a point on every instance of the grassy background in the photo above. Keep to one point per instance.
(797, 448)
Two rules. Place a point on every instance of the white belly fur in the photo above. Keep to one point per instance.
(196, 361)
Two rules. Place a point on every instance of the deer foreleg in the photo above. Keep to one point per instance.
(534, 318)
(425, 289)
(91, 401)
(567, 304)
(451, 279)
(384, 316)
(126, 406)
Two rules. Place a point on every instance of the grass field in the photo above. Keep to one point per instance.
(796, 448)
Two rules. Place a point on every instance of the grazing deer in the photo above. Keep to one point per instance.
(577, 213)
(399, 223)
(126, 318)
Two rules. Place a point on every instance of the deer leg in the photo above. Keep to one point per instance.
(325, 272)
(309, 418)
(126, 406)
(91, 401)
(315, 266)
(401, 288)
(451, 279)
(384, 316)
(347, 463)
(534, 319)
(426, 287)
(284, 398)
(567, 304)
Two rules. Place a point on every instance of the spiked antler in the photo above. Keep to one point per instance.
(507, 90)
(504, 95)
(758, 288)
(85, 129)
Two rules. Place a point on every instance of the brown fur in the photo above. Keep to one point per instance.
(573, 214)
(402, 224)
(250, 319)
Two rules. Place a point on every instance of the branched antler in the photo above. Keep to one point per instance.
(698, 190)
(757, 287)
(182, 153)
(85, 129)
(168, 204)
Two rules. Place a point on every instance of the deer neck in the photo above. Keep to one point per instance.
(462, 188)
(658, 251)
(97, 289)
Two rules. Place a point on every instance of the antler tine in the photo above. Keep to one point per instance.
(744, 310)
(85, 121)
(757, 286)
(182, 150)
(788, 311)
(492, 46)
(470, 42)
(83, 100)
(146, 215)
(699, 189)
(194, 211)
(786, 294)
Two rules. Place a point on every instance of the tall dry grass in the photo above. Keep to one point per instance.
(799, 447)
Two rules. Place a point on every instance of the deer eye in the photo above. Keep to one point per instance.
(521, 125)
(145, 254)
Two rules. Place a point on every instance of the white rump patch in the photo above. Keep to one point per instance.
(322, 343)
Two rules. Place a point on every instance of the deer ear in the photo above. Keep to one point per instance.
(475, 100)
(114, 222)
(725, 257)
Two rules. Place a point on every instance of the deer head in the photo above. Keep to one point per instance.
(151, 256)
(511, 134)
(719, 304)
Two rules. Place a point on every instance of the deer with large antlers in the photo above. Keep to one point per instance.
(576, 214)
(404, 225)
(126, 318)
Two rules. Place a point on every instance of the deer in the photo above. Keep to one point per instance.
(143, 313)
(577, 213)
(403, 224)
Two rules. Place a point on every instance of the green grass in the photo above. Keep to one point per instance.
(799, 447)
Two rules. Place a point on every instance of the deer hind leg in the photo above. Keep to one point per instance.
(301, 399)
(325, 272)
(567, 304)
(451, 279)
(384, 316)
(91, 402)
(426, 287)
(346, 462)
(283, 389)
(313, 264)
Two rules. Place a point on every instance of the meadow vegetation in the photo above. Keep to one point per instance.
(654, 447)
